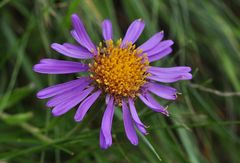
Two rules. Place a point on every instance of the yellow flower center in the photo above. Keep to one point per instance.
(119, 71)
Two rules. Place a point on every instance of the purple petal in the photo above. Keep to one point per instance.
(128, 124)
(139, 124)
(170, 77)
(152, 42)
(103, 144)
(54, 66)
(83, 37)
(160, 55)
(133, 32)
(163, 91)
(107, 29)
(160, 70)
(73, 51)
(65, 96)
(75, 36)
(75, 47)
(107, 98)
(170, 74)
(61, 88)
(163, 45)
(85, 105)
(67, 105)
(107, 123)
(152, 103)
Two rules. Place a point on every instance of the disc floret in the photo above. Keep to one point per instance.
(119, 71)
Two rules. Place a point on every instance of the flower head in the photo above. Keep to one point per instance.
(119, 70)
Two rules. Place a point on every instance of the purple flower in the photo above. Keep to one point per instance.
(119, 70)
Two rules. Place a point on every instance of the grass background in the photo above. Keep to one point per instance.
(204, 122)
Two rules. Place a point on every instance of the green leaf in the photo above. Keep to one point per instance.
(13, 97)
(16, 118)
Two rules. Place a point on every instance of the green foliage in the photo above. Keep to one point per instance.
(203, 125)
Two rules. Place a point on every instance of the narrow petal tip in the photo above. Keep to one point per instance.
(55, 113)
(104, 147)
(36, 68)
(107, 20)
(188, 69)
(39, 95)
(171, 42)
(77, 119)
(74, 16)
(134, 142)
(53, 45)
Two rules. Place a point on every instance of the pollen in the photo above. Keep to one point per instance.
(119, 71)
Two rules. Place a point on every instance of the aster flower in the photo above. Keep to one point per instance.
(119, 70)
